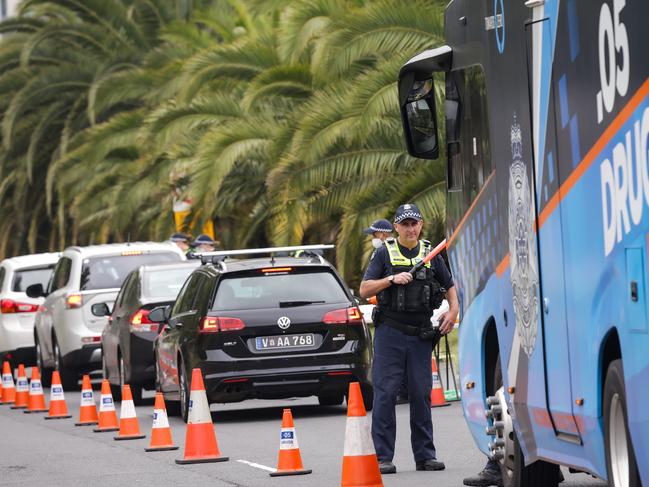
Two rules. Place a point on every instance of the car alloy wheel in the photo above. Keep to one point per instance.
(184, 393)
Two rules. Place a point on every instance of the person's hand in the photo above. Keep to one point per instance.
(447, 322)
(402, 278)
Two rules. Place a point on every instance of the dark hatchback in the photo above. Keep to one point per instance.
(264, 328)
(127, 339)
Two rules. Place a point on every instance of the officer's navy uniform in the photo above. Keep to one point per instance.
(398, 347)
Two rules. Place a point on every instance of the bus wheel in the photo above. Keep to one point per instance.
(507, 450)
(620, 461)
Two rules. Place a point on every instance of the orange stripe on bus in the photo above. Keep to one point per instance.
(468, 212)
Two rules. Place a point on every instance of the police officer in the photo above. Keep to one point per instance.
(181, 240)
(402, 341)
(379, 230)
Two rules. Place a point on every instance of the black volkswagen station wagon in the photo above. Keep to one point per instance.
(269, 328)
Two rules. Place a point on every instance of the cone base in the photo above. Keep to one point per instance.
(65, 416)
(104, 430)
(284, 473)
(439, 405)
(162, 448)
(30, 411)
(202, 460)
(129, 437)
(87, 423)
(18, 407)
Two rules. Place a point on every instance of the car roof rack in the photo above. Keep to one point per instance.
(309, 250)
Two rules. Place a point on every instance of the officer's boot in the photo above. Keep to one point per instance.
(490, 475)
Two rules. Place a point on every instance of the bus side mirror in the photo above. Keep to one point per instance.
(419, 117)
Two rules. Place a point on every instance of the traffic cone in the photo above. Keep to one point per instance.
(88, 408)
(107, 414)
(36, 400)
(200, 439)
(289, 461)
(58, 407)
(437, 399)
(360, 465)
(22, 389)
(160, 432)
(8, 389)
(129, 428)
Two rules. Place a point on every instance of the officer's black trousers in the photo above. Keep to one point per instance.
(394, 351)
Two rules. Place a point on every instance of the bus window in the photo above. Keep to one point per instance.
(467, 131)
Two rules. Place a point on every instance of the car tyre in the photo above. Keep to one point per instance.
(621, 464)
(183, 390)
(331, 399)
(69, 377)
(537, 474)
(46, 372)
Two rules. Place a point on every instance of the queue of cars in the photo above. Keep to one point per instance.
(263, 327)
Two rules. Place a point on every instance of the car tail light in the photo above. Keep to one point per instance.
(215, 324)
(86, 340)
(8, 306)
(73, 301)
(140, 321)
(345, 316)
(276, 270)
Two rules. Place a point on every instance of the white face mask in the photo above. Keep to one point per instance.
(376, 243)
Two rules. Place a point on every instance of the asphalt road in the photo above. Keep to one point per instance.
(35, 452)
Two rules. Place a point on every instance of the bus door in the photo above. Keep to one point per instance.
(550, 239)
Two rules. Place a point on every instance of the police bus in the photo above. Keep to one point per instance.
(546, 113)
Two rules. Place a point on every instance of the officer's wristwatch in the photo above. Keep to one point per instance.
(391, 279)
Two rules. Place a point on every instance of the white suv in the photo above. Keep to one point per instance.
(67, 334)
(17, 310)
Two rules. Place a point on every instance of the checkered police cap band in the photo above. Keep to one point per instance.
(408, 214)
(380, 229)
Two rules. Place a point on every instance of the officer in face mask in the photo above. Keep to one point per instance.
(379, 230)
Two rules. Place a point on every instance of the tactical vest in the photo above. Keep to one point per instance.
(423, 295)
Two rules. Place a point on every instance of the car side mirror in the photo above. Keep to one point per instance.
(160, 314)
(100, 309)
(35, 291)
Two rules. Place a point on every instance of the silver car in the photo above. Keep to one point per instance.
(67, 334)
(17, 310)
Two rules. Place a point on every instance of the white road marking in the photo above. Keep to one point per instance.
(257, 465)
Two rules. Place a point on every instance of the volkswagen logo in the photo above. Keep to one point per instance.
(284, 322)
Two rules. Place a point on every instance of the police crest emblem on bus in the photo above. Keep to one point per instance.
(522, 249)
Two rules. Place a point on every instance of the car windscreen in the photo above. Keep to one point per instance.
(278, 290)
(26, 277)
(110, 271)
(164, 284)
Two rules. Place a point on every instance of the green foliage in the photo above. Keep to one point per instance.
(279, 119)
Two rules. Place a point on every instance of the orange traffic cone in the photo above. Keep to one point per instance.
(107, 414)
(360, 465)
(8, 389)
(437, 398)
(22, 389)
(58, 407)
(200, 439)
(88, 408)
(160, 432)
(289, 461)
(36, 400)
(129, 428)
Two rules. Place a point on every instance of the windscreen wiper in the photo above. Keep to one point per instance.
(291, 304)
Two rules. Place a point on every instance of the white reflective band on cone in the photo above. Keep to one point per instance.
(35, 387)
(86, 398)
(199, 409)
(436, 383)
(22, 385)
(358, 439)
(288, 439)
(56, 393)
(7, 381)
(106, 403)
(160, 418)
(127, 410)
